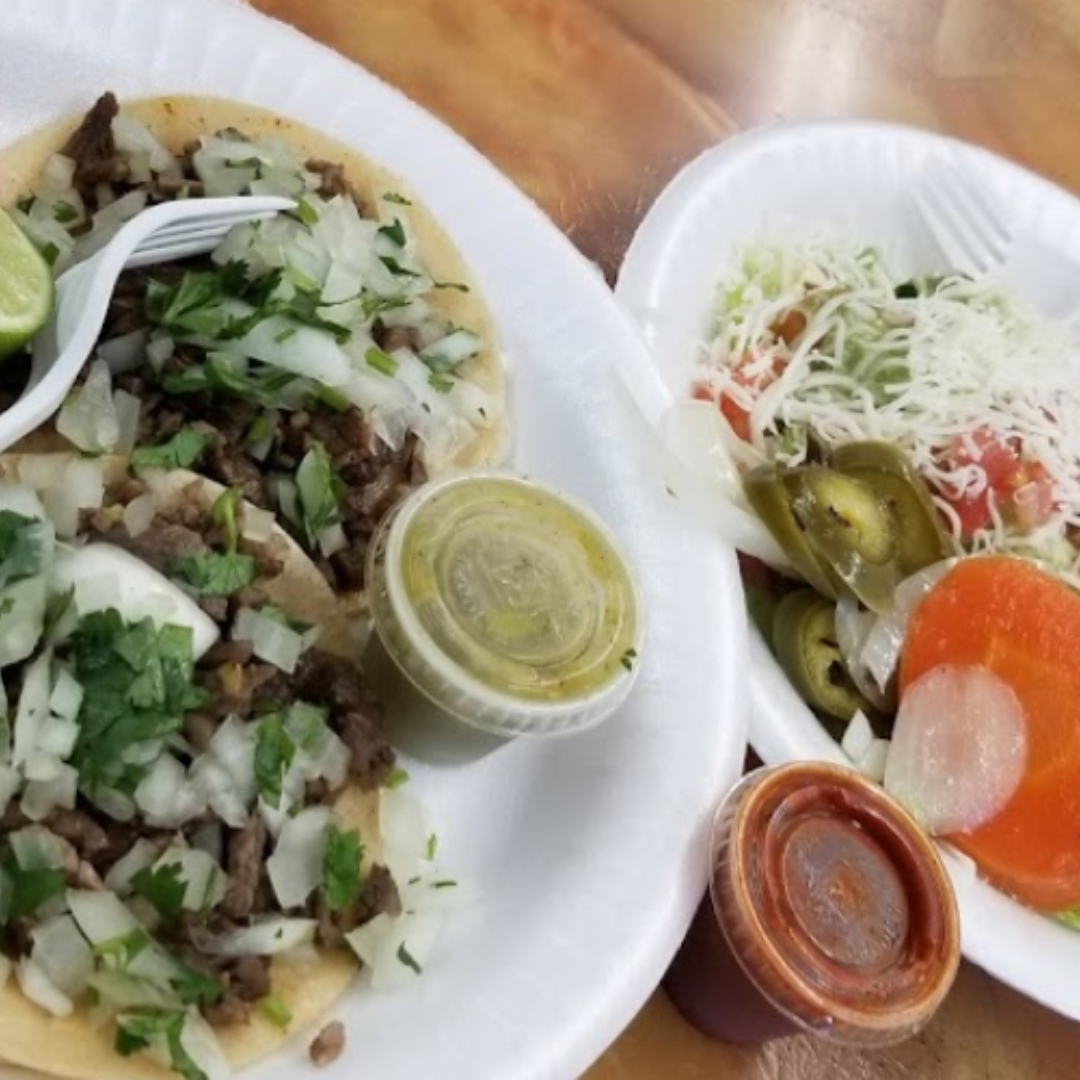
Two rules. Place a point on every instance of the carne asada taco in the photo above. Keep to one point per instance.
(325, 361)
(199, 835)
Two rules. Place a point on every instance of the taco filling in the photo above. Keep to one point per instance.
(198, 827)
(315, 360)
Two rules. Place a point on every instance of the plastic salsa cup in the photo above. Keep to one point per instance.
(828, 912)
(500, 608)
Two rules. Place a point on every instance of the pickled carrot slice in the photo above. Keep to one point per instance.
(1023, 625)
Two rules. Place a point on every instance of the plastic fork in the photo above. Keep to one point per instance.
(975, 236)
(174, 230)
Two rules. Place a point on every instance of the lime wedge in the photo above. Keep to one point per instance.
(26, 288)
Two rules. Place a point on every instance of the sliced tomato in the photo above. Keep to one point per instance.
(998, 458)
(973, 511)
(732, 411)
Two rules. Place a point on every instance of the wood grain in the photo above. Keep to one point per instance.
(590, 106)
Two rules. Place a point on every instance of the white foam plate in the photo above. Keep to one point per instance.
(587, 855)
(857, 176)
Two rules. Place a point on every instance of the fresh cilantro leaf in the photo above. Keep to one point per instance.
(194, 305)
(64, 212)
(394, 197)
(627, 659)
(394, 233)
(318, 489)
(118, 952)
(164, 888)
(274, 752)
(138, 1029)
(215, 574)
(194, 987)
(138, 685)
(381, 361)
(341, 876)
(396, 268)
(31, 888)
(50, 253)
(262, 385)
(395, 778)
(23, 545)
(224, 514)
(408, 959)
(179, 452)
(307, 213)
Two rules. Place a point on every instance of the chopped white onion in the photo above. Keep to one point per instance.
(40, 989)
(9, 786)
(159, 349)
(67, 696)
(959, 748)
(873, 762)
(256, 524)
(204, 881)
(88, 417)
(331, 540)
(20, 498)
(271, 640)
(202, 1047)
(124, 353)
(36, 848)
(127, 408)
(295, 868)
(405, 832)
(62, 953)
(24, 619)
(100, 915)
(39, 471)
(41, 797)
(58, 737)
(139, 514)
(140, 856)
(81, 486)
(268, 937)
(391, 946)
(33, 708)
(215, 784)
(116, 804)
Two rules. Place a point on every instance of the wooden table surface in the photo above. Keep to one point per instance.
(591, 106)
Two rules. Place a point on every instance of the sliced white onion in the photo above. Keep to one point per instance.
(41, 766)
(874, 760)
(41, 797)
(959, 748)
(58, 738)
(24, 619)
(295, 868)
(271, 640)
(139, 514)
(853, 626)
(202, 1047)
(40, 989)
(62, 953)
(858, 737)
(256, 524)
(105, 576)
(267, 937)
(405, 832)
(216, 785)
(140, 856)
(881, 649)
(88, 417)
(67, 696)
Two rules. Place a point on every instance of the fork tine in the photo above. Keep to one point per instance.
(190, 225)
(181, 247)
(162, 241)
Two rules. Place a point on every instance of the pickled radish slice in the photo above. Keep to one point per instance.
(958, 750)
(1022, 623)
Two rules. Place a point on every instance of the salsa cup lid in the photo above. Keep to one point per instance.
(507, 604)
